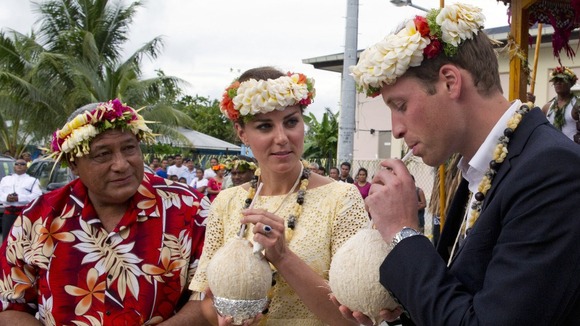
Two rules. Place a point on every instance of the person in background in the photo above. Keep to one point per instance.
(559, 110)
(334, 173)
(345, 173)
(199, 183)
(422, 204)
(182, 180)
(227, 175)
(530, 97)
(17, 190)
(314, 167)
(26, 156)
(109, 248)
(170, 160)
(321, 170)
(361, 182)
(300, 218)
(214, 185)
(173, 177)
(242, 169)
(177, 168)
(508, 253)
(189, 173)
(162, 171)
(210, 172)
(154, 165)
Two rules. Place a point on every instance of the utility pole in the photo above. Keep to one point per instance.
(346, 125)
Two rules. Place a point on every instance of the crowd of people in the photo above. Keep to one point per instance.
(234, 171)
(121, 245)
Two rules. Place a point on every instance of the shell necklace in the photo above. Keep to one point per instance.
(293, 217)
(499, 154)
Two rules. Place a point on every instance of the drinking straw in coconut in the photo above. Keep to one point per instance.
(407, 156)
(244, 226)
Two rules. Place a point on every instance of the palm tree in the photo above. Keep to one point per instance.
(76, 59)
(24, 90)
(321, 139)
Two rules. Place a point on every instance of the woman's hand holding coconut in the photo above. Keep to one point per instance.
(274, 241)
(208, 311)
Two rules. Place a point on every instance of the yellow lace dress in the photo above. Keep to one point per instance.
(331, 214)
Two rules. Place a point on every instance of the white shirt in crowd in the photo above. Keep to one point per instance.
(188, 175)
(209, 173)
(197, 183)
(175, 170)
(27, 188)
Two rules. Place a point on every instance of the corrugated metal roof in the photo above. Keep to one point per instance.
(200, 140)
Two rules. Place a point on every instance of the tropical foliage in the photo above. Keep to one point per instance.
(321, 141)
(73, 59)
(207, 118)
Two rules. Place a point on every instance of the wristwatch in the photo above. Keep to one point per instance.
(403, 234)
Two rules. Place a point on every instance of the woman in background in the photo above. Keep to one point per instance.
(214, 185)
(361, 182)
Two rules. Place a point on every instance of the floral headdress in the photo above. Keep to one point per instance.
(262, 96)
(421, 38)
(564, 73)
(218, 167)
(76, 135)
(241, 165)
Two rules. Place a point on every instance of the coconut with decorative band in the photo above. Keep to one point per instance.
(239, 280)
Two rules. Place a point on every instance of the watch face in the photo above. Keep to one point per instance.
(407, 232)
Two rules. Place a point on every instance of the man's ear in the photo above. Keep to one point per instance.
(452, 78)
(73, 167)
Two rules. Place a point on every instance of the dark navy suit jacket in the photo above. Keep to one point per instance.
(520, 265)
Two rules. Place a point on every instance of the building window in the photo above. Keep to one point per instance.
(384, 144)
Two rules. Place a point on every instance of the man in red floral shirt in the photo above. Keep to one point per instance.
(117, 246)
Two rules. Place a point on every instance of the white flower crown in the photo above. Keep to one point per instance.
(423, 37)
(262, 96)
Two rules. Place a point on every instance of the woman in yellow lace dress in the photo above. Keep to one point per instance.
(300, 218)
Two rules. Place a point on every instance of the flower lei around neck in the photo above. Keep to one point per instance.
(253, 96)
(499, 154)
(75, 136)
(421, 38)
(559, 112)
(293, 217)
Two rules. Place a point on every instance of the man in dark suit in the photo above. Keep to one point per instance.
(509, 253)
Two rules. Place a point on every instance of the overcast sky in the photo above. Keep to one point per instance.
(209, 43)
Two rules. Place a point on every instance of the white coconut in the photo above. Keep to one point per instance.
(354, 274)
(236, 273)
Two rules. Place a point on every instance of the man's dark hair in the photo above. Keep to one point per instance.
(346, 164)
(476, 55)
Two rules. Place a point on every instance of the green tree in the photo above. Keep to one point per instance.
(207, 118)
(76, 59)
(321, 139)
(22, 95)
